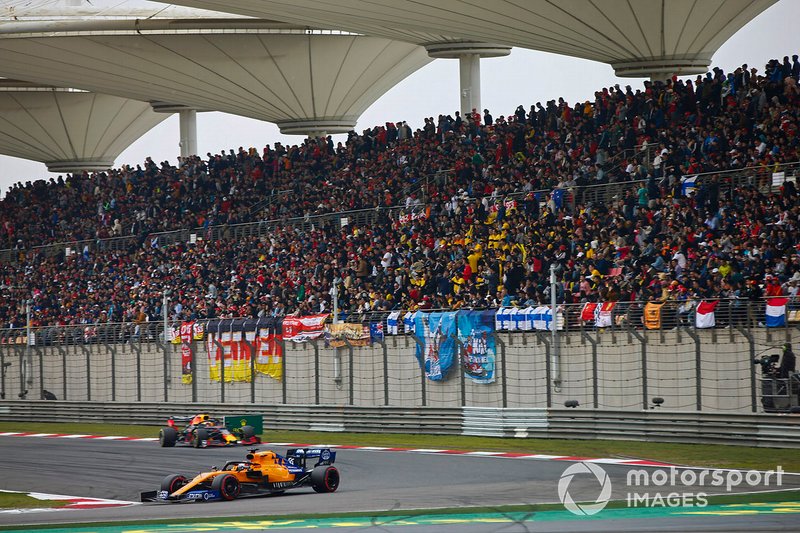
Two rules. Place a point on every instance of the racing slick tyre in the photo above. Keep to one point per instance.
(198, 437)
(227, 485)
(174, 482)
(167, 437)
(325, 479)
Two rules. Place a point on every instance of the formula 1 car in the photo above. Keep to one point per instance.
(261, 474)
(203, 430)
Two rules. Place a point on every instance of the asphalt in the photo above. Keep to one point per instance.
(371, 481)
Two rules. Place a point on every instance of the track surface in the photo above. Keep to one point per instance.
(371, 481)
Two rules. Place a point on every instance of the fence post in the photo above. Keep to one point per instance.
(221, 370)
(40, 352)
(588, 338)
(385, 370)
(503, 382)
(421, 362)
(113, 353)
(751, 343)
(350, 368)
(458, 348)
(283, 370)
(193, 369)
(315, 344)
(163, 343)
(698, 369)
(137, 347)
(252, 349)
(643, 340)
(63, 353)
(87, 352)
(3, 373)
(23, 392)
(549, 391)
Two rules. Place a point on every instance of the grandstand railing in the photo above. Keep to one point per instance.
(760, 177)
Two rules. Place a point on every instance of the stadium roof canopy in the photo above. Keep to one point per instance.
(69, 130)
(303, 79)
(640, 38)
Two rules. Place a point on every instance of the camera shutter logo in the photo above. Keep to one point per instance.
(584, 509)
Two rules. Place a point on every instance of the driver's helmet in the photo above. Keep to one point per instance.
(201, 419)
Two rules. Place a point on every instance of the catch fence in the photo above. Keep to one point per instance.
(623, 366)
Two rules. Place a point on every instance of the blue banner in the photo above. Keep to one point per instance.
(437, 332)
(376, 332)
(478, 352)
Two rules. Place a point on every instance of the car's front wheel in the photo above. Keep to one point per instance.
(167, 437)
(227, 486)
(199, 437)
(174, 482)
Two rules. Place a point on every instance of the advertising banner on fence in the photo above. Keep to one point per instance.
(270, 353)
(437, 333)
(356, 335)
(475, 331)
(304, 328)
(186, 335)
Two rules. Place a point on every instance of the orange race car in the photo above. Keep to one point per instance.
(260, 474)
(203, 430)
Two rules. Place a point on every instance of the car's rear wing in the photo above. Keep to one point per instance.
(300, 455)
(181, 418)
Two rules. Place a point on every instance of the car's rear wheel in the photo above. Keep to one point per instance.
(173, 483)
(227, 485)
(325, 479)
(199, 437)
(167, 437)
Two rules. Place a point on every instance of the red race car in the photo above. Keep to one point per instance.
(203, 430)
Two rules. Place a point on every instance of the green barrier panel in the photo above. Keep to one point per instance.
(237, 421)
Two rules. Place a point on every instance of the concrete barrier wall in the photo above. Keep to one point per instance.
(603, 370)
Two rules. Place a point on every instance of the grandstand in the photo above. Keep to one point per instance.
(465, 212)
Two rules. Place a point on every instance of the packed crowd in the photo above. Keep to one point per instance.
(468, 248)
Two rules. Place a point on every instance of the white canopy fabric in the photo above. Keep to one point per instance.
(638, 38)
(269, 71)
(69, 130)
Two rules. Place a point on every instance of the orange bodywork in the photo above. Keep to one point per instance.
(260, 467)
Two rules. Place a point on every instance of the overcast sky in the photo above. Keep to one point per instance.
(525, 77)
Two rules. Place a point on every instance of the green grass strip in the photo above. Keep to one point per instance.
(21, 500)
